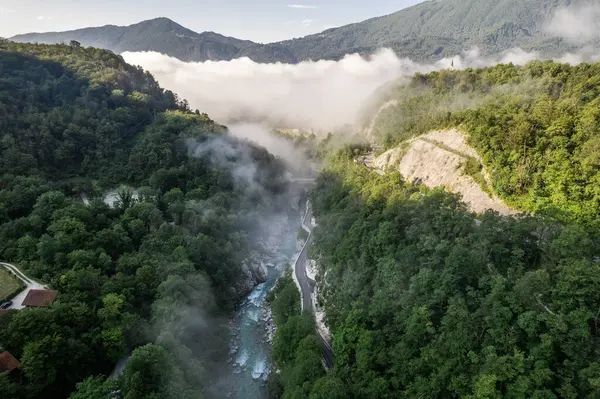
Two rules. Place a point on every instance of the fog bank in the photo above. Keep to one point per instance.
(577, 24)
(321, 95)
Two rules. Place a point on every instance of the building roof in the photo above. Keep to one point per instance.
(39, 298)
(8, 362)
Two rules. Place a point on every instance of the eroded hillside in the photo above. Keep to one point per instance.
(441, 158)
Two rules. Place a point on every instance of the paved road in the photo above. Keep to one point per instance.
(30, 284)
(307, 285)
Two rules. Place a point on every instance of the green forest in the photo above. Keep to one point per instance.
(76, 122)
(296, 349)
(428, 300)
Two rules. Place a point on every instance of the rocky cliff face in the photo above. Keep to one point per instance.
(438, 159)
(273, 230)
(254, 272)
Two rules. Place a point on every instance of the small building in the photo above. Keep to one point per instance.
(8, 362)
(39, 298)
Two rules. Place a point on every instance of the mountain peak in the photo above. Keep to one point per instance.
(161, 23)
(157, 21)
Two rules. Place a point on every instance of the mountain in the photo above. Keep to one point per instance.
(424, 32)
(433, 29)
(164, 36)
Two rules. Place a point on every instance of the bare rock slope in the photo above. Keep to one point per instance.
(437, 159)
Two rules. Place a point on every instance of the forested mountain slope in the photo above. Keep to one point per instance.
(424, 32)
(434, 29)
(425, 299)
(536, 128)
(138, 276)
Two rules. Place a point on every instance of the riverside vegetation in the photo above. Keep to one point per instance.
(426, 299)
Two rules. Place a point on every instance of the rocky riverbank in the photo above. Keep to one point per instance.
(252, 328)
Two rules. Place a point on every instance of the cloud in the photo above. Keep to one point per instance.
(577, 24)
(4, 10)
(43, 18)
(307, 22)
(293, 156)
(302, 6)
(322, 95)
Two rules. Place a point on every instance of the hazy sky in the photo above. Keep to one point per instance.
(262, 20)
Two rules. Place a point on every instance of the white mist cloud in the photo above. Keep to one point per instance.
(473, 59)
(294, 157)
(322, 95)
(578, 24)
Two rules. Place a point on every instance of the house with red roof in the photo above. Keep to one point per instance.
(8, 362)
(39, 298)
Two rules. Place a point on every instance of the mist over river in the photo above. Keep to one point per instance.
(250, 329)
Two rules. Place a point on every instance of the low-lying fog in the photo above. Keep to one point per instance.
(321, 95)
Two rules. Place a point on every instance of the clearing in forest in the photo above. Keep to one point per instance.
(9, 284)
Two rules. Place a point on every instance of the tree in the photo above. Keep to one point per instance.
(329, 387)
(95, 387)
(74, 122)
(125, 198)
(148, 373)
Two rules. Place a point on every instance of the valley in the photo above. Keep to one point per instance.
(404, 207)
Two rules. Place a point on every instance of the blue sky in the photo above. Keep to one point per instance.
(262, 20)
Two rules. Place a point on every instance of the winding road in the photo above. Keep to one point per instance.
(30, 284)
(307, 285)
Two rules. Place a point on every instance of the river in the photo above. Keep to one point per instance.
(250, 347)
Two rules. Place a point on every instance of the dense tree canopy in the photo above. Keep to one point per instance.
(426, 299)
(74, 124)
(296, 349)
